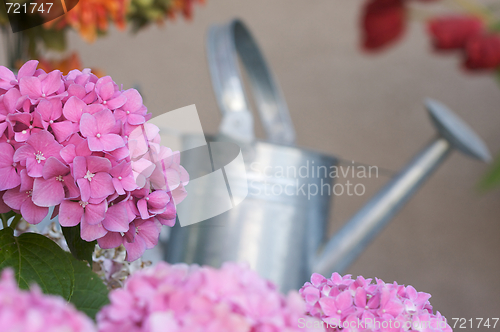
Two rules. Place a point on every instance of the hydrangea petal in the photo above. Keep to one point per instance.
(107, 90)
(101, 185)
(90, 233)
(95, 213)
(73, 109)
(62, 130)
(30, 86)
(88, 125)
(70, 213)
(149, 230)
(51, 83)
(6, 155)
(47, 193)
(6, 76)
(98, 164)
(9, 178)
(53, 168)
(84, 186)
(14, 198)
(111, 142)
(110, 240)
(116, 219)
(95, 144)
(116, 102)
(28, 69)
(134, 100)
(105, 121)
(135, 249)
(33, 214)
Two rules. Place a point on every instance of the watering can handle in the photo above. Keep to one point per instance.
(223, 43)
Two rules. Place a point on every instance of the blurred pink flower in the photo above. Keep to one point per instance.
(342, 299)
(33, 311)
(181, 298)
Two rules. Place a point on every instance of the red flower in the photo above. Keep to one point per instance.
(451, 32)
(482, 52)
(383, 22)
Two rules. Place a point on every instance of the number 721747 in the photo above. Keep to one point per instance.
(464, 323)
(26, 8)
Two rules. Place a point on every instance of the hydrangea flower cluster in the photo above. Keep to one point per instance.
(81, 144)
(346, 304)
(32, 311)
(181, 298)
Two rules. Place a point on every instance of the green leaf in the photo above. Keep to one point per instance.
(90, 294)
(38, 259)
(81, 249)
(492, 177)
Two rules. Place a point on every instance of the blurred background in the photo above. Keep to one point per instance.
(363, 107)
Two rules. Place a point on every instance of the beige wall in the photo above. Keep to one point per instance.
(359, 107)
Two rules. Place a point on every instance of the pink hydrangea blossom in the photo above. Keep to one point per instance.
(33, 311)
(10, 178)
(81, 144)
(182, 298)
(346, 304)
(20, 199)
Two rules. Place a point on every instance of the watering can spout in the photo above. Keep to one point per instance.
(348, 243)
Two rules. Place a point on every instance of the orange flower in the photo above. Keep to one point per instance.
(92, 17)
(183, 6)
(89, 17)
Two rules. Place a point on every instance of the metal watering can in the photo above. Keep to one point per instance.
(281, 233)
